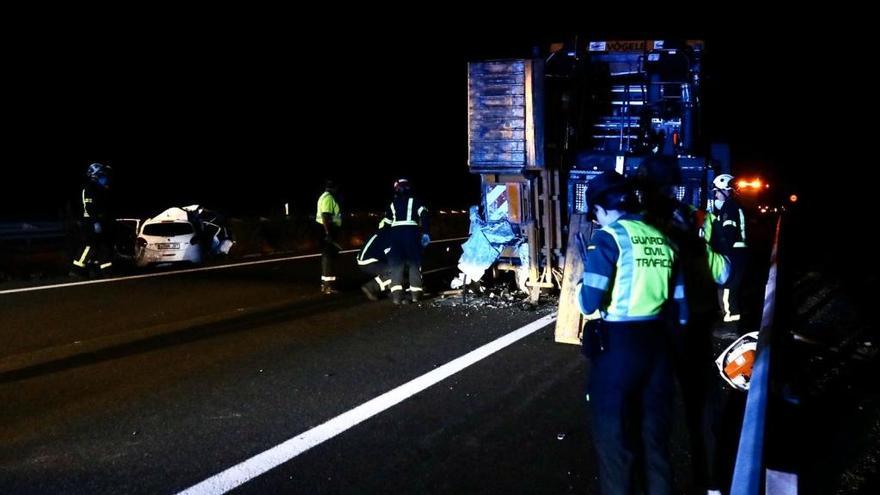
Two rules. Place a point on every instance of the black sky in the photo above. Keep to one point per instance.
(246, 114)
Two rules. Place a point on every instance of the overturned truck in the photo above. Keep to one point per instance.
(539, 129)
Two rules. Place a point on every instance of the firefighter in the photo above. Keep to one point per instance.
(409, 235)
(96, 224)
(729, 238)
(329, 220)
(373, 259)
(702, 270)
(629, 279)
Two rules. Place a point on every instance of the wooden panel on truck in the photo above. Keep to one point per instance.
(505, 115)
(569, 320)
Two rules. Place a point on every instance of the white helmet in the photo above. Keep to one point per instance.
(723, 182)
(735, 363)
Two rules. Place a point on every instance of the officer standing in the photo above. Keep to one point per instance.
(96, 223)
(729, 238)
(409, 235)
(329, 220)
(688, 230)
(629, 278)
(373, 259)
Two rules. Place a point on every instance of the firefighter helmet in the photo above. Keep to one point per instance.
(736, 362)
(96, 169)
(723, 182)
(401, 185)
(99, 173)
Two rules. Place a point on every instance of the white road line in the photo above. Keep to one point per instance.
(188, 270)
(283, 452)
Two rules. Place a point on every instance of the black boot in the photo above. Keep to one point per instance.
(371, 290)
(397, 297)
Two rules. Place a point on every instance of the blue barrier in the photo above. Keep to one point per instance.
(750, 454)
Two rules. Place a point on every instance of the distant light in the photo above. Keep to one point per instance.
(750, 184)
(793, 198)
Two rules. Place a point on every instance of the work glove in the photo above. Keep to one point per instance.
(426, 239)
(97, 227)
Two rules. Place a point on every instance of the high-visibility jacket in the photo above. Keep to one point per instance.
(630, 272)
(327, 204)
(407, 211)
(729, 228)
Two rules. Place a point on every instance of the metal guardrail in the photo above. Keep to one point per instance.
(10, 231)
(750, 454)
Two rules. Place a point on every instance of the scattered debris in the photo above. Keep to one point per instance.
(502, 295)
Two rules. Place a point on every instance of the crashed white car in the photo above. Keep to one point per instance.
(179, 235)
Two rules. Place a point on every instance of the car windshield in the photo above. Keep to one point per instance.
(168, 229)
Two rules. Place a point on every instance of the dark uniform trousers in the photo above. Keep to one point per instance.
(631, 387)
(405, 254)
(329, 251)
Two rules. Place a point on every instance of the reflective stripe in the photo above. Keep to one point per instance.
(730, 318)
(328, 279)
(728, 222)
(383, 284)
(393, 213)
(85, 200)
(739, 244)
(79, 263)
(415, 289)
(422, 210)
(596, 281)
(679, 292)
(608, 317)
(725, 299)
(591, 247)
(361, 260)
(82, 259)
(408, 220)
(396, 288)
(620, 293)
(106, 265)
(742, 225)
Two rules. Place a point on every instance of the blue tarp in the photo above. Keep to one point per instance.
(486, 241)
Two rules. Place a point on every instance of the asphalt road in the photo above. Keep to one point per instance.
(156, 384)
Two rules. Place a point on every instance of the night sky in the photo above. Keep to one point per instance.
(244, 115)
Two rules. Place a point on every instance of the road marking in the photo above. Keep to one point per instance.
(261, 463)
(188, 270)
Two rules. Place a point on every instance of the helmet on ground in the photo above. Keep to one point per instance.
(736, 362)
